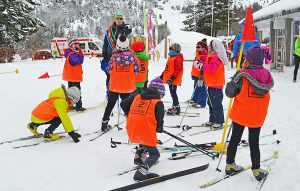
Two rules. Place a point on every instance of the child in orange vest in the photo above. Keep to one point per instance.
(172, 75)
(200, 94)
(214, 78)
(145, 113)
(73, 67)
(122, 68)
(250, 88)
(54, 111)
(142, 59)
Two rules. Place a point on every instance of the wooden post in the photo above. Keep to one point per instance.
(272, 44)
(166, 41)
(288, 40)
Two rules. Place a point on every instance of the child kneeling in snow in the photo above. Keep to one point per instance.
(54, 111)
(145, 113)
(250, 88)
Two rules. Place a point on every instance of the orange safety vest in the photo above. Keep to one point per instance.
(249, 109)
(72, 73)
(218, 77)
(169, 69)
(195, 71)
(122, 78)
(143, 67)
(141, 123)
(46, 110)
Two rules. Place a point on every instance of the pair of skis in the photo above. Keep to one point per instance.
(217, 180)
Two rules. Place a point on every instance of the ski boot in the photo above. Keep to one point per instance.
(143, 173)
(232, 169)
(259, 174)
(32, 127)
(49, 136)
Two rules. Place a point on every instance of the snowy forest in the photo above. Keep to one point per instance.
(30, 24)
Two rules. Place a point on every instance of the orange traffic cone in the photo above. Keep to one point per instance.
(46, 75)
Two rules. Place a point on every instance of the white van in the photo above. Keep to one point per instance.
(90, 46)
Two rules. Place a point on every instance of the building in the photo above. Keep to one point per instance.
(281, 22)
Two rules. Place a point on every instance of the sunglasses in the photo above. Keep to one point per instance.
(120, 19)
(198, 46)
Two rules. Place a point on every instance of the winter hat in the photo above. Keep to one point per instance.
(122, 42)
(158, 84)
(71, 40)
(219, 48)
(255, 56)
(203, 43)
(137, 46)
(118, 15)
(176, 47)
(74, 93)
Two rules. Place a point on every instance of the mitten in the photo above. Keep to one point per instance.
(200, 82)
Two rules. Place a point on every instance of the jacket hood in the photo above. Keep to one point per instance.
(59, 92)
(123, 58)
(260, 80)
(150, 93)
(142, 55)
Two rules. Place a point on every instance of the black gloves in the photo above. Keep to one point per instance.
(74, 136)
(170, 81)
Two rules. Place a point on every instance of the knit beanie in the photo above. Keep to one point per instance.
(159, 85)
(203, 43)
(118, 15)
(255, 56)
(176, 47)
(122, 42)
(137, 46)
(71, 40)
(74, 93)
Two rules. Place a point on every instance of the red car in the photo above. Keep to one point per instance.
(42, 55)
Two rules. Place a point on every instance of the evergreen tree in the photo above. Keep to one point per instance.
(15, 21)
(203, 16)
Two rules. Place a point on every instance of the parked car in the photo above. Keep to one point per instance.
(42, 54)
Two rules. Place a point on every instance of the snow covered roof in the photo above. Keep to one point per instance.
(280, 8)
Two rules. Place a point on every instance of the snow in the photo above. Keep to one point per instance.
(277, 8)
(64, 165)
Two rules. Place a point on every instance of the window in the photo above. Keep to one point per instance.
(93, 46)
(82, 46)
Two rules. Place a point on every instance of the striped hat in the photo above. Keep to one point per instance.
(71, 40)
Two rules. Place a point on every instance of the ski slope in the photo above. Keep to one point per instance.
(64, 165)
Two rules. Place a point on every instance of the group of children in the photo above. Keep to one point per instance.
(128, 71)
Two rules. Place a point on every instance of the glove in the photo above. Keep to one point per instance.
(198, 64)
(79, 50)
(200, 83)
(103, 65)
(170, 81)
(74, 136)
(127, 26)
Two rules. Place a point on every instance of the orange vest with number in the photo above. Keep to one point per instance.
(72, 73)
(218, 77)
(45, 110)
(169, 69)
(195, 71)
(122, 78)
(143, 67)
(141, 123)
(249, 109)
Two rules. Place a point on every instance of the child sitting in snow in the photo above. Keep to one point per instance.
(250, 88)
(145, 113)
(54, 111)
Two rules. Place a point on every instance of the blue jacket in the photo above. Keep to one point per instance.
(74, 58)
(237, 44)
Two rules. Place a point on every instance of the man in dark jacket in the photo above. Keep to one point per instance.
(111, 35)
(145, 113)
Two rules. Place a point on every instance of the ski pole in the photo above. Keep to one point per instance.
(119, 128)
(191, 145)
(184, 128)
(15, 71)
(224, 148)
(202, 145)
(115, 143)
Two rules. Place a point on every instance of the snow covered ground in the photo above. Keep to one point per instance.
(64, 165)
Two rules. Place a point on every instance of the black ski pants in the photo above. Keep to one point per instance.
(153, 155)
(297, 61)
(237, 132)
(54, 123)
(111, 102)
